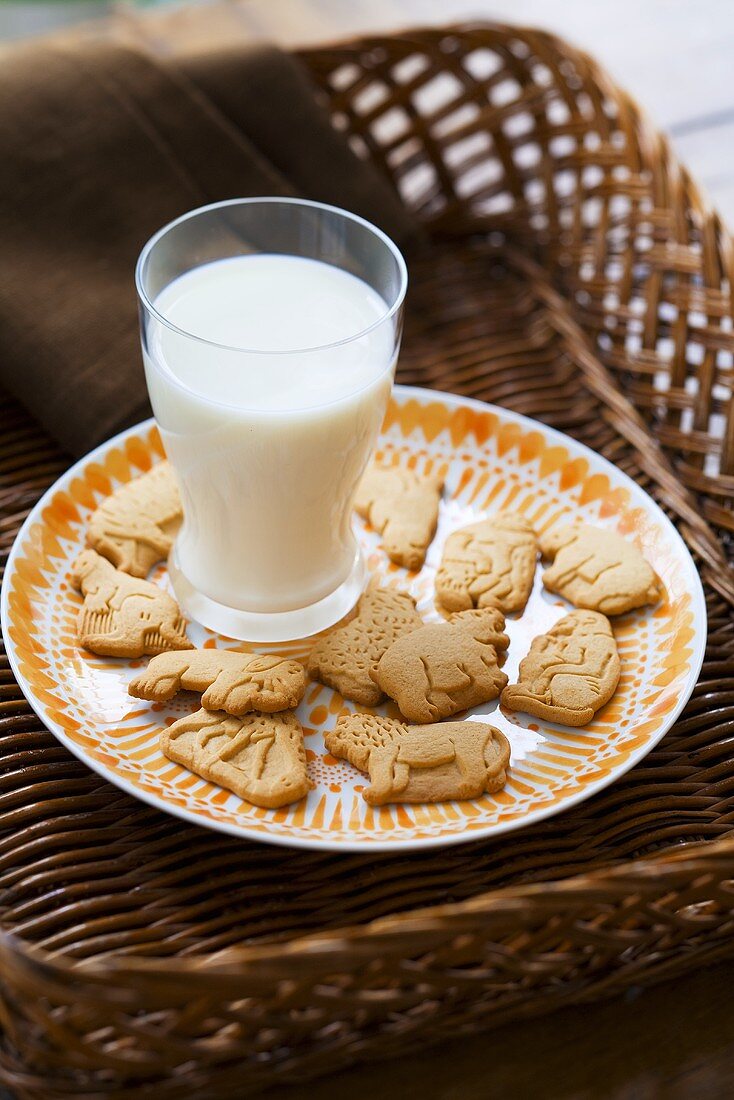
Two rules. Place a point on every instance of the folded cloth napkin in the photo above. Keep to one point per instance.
(100, 147)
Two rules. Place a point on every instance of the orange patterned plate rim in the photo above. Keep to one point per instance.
(492, 459)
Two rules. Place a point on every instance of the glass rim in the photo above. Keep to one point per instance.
(392, 248)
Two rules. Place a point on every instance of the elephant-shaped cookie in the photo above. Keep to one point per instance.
(230, 681)
(124, 616)
(435, 763)
(569, 673)
(443, 668)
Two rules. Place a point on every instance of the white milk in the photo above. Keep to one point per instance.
(268, 447)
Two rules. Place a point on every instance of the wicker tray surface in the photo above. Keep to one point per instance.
(141, 953)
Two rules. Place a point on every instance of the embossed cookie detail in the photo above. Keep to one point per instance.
(403, 507)
(136, 525)
(345, 659)
(569, 673)
(259, 757)
(124, 616)
(436, 763)
(598, 569)
(443, 668)
(230, 681)
(488, 564)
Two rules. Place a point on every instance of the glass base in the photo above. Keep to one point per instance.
(280, 626)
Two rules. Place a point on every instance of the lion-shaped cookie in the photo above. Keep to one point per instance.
(569, 673)
(124, 616)
(136, 525)
(259, 757)
(230, 681)
(488, 564)
(443, 668)
(345, 658)
(403, 507)
(436, 763)
(598, 570)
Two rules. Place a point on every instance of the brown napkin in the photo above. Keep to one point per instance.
(99, 147)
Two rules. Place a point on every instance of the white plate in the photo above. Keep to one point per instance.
(493, 459)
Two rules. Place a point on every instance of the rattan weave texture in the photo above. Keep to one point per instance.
(574, 275)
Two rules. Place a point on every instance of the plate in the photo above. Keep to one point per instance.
(492, 459)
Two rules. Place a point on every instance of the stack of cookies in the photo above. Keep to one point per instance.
(246, 736)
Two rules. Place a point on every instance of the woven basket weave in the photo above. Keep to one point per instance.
(576, 275)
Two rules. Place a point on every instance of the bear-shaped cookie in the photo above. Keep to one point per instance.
(441, 669)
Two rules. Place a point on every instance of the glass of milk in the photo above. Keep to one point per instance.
(270, 330)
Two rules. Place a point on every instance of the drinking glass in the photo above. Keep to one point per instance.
(269, 381)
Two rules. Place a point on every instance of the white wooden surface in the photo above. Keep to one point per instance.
(675, 56)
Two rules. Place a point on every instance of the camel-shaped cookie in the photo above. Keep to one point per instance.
(598, 569)
(345, 658)
(403, 507)
(436, 763)
(259, 757)
(443, 668)
(124, 616)
(488, 564)
(136, 525)
(231, 681)
(569, 673)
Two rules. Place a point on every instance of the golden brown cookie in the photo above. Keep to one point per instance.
(402, 506)
(259, 757)
(235, 682)
(136, 525)
(443, 668)
(433, 763)
(345, 659)
(569, 673)
(598, 569)
(488, 564)
(124, 616)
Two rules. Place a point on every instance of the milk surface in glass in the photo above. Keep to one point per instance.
(268, 447)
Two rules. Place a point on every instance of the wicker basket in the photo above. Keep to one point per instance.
(574, 274)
